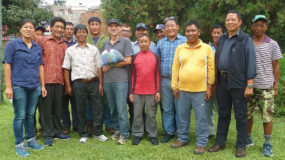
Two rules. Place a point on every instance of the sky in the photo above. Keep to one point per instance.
(87, 3)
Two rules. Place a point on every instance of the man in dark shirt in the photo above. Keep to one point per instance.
(235, 70)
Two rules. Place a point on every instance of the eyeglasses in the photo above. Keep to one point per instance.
(169, 18)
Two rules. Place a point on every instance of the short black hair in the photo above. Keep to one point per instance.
(27, 21)
(91, 19)
(69, 23)
(172, 18)
(143, 35)
(40, 28)
(192, 22)
(80, 26)
(235, 12)
(57, 19)
(217, 26)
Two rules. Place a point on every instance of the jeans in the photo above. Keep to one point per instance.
(24, 103)
(228, 99)
(66, 122)
(169, 104)
(107, 113)
(116, 93)
(187, 101)
(211, 110)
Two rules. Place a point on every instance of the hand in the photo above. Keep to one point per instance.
(275, 92)
(131, 98)
(248, 92)
(68, 90)
(175, 93)
(157, 97)
(208, 94)
(106, 68)
(101, 89)
(44, 92)
(9, 92)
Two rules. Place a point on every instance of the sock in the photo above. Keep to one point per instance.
(267, 139)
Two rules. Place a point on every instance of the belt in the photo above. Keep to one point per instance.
(166, 77)
(223, 73)
(87, 80)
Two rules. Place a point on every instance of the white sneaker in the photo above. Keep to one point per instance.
(101, 138)
(83, 139)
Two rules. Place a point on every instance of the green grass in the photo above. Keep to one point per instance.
(73, 150)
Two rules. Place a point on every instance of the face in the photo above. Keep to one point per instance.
(126, 32)
(95, 28)
(39, 33)
(171, 28)
(141, 31)
(192, 34)
(233, 23)
(57, 29)
(27, 30)
(216, 34)
(160, 34)
(144, 43)
(259, 28)
(81, 35)
(68, 31)
(114, 29)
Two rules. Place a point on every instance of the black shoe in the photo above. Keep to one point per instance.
(153, 140)
(136, 140)
(167, 138)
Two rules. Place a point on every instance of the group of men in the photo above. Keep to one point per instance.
(236, 70)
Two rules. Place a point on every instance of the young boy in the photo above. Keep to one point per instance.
(144, 88)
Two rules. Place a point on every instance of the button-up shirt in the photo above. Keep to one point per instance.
(137, 49)
(166, 49)
(53, 55)
(84, 61)
(24, 62)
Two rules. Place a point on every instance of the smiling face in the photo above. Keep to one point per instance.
(171, 28)
(233, 22)
(192, 34)
(27, 30)
(144, 43)
(114, 29)
(95, 28)
(259, 28)
(160, 34)
(216, 34)
(81, 35)
(57, 29)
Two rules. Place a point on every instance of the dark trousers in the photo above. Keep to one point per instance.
(228, 99)
(131, 111)
(82, 93)
(50, 108)
(66, 122)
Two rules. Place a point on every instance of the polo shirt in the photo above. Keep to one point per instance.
(72, 42)
(24, 62)
(266, 52)
(166, 49)
(137, 49)
(118, 74)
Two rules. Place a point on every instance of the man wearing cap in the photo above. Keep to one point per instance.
(126, 31)
(140, 29)
(235, 71)
(166, 49)
(116, 81)
(96, 38)
(265, 85)
(159, 31)
(85, 62)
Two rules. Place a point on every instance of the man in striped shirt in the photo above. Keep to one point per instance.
(266, 82)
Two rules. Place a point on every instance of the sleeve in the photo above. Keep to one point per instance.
(131, 75)
(67, 60)
(98, 61)
(41, 55)
(211, 66)
(251, 59)
(128, 48)
(158, 74)
(175, 69)
(276, 52)
(9, 52)
(153, 47)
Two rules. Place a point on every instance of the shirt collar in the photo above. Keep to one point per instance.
(51, 37)
(237, 34)
(178, 36)
(21, 40)
(198, 45)
(266, 39)
(87, 45)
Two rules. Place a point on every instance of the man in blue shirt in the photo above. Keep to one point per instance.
(141, 28)
(166, 49)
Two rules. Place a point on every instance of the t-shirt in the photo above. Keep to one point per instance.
(95, 40)
(118, 74)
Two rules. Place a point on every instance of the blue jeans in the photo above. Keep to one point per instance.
(213, 106)
(24, 102)
(107, 113)
(116, 93)
(186, 101)
(169, 105)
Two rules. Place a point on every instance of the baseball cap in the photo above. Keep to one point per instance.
(114, 21)
(259, 17)
(159, 27)
(141, 25)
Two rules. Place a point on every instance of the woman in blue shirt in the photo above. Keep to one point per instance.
(24, 78)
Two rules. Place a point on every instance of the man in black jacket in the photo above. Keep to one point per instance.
(235, 71)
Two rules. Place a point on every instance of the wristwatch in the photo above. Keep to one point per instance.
(250, 85)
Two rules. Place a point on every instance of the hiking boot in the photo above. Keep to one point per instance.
(21, 150)
(122, 140)
(216, 148)
(178, 144)
(153, 140)
(62, 136)
(33, 144)
(83, 139)
(101, 138)
(249, 142)
(267, 150)
(48, 142)
(115, 136)
(136, 140)
(240, 152)
(167, 138)
(199, 150)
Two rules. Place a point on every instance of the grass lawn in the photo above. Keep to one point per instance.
(72, 149)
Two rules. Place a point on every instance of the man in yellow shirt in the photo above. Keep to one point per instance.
(193, 75)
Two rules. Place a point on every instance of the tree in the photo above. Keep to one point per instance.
(15, 11)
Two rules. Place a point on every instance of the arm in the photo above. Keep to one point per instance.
(276, 76)
(100, 76)
(68, 89)
(175, 70)
(131, 78)
(42, 80)
(120, 64)
(8, 81)
(158, 79)
(211, 74)
(251, 66)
